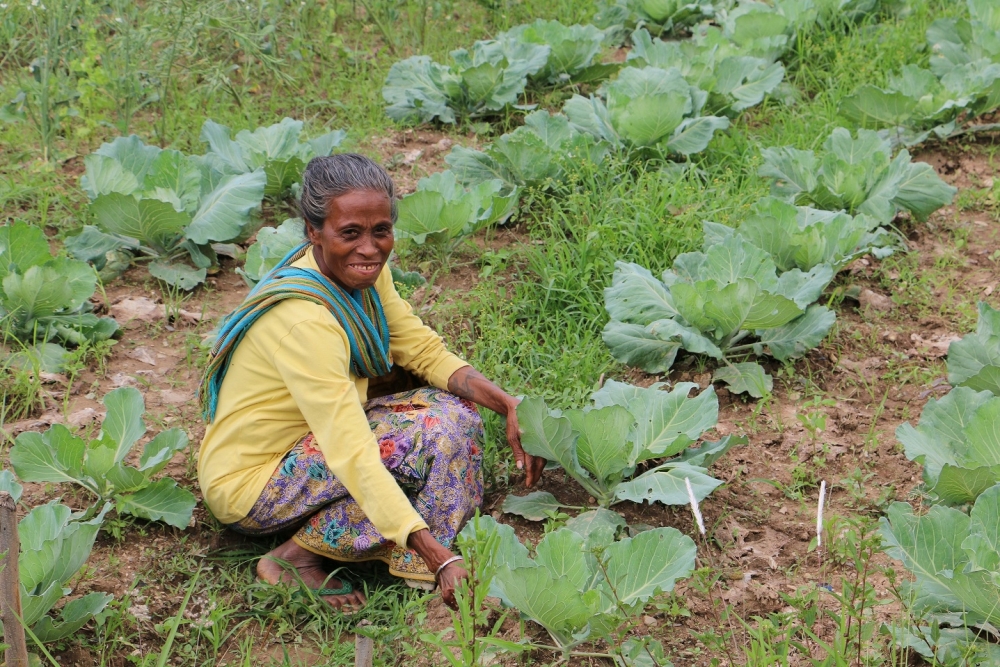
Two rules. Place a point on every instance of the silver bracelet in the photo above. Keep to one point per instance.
(445, 564)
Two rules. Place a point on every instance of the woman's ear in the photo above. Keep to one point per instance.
(312, 234)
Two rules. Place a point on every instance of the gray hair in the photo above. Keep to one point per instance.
(326, 178)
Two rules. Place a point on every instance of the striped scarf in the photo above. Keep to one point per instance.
(359, 312)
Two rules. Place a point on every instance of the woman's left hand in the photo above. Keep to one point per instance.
(451, 577)
(532, 465)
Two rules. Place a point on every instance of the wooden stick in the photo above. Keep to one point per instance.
(10, 585)
(364, 647)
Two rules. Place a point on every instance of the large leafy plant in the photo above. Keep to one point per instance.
(856, 174)
(802, 237)
(540, 153)
(974, 361)
(442, 211)
(958, 43)
(711, 303)
(955, 562)
(657, 16)
(733, 81)
(484, 81)
(163, 207)
(272, 244)
(99, 465)
(55, 544)
(603, 445)
(45, 300)
(582, 583)
(647, 109)
(572, 50)
(276, 149)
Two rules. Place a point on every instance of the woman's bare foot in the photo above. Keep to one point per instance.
(278, 565)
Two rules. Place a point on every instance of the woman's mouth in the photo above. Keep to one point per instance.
(366, 268)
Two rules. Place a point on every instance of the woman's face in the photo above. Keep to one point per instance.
(356, 239)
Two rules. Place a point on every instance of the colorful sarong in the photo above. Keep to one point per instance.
(431, 442)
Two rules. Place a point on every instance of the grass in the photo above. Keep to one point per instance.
(532, 319)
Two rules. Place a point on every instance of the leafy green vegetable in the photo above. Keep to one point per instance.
(98, 465)
(709, 303)
(801, 237)
(954, 560)
(487, 79)
(276, 149)
(272, 244)
(581, 583)
(647, 108)
(858, 175)
(734, 82)
(55, 543)
(572, 50)
(974, 361)
(601, 445)
(537, 154)
(164, 206)
(44, 299)
(442, 212)
(657, 16)
(957, 443)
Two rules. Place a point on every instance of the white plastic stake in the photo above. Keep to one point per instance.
(819, 514)
(694, 506)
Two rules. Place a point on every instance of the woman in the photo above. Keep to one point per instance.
(292, 441)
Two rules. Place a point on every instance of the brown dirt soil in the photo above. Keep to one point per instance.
(878, 368)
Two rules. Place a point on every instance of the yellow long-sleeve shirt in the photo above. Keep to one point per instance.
(290, 376)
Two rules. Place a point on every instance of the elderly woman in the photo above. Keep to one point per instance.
(292, 442)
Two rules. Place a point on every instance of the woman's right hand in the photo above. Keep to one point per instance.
(450, 578)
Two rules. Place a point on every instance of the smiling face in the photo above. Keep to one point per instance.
(356, 239)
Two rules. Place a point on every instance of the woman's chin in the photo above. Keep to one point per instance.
(361, 278)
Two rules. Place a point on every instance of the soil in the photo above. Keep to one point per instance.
(879, 368)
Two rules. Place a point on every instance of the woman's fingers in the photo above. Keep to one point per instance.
(514, 439)
(448, 580)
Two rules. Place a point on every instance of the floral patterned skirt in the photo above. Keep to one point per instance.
(431, 442)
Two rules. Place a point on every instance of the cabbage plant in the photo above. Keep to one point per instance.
(856, 174)
(482, 81)
(162, 207)
(647, 109)
(955, 563)
(582, 583)
(272, 244)
(619, 17)
(572, 50)
(726, 302)
(733, 82)
(602, 445)
(802, 237)
(45, 300)
(540, 153)
(442, 212)
(974, 361)
(99, 467)
(276, 149)
(55, 544)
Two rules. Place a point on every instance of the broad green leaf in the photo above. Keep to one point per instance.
(418, 90)
(646, 105)
(983, 542)
(536, 506)
(123, 423)
(561, 552)
(177, 173)
(635, 345)
(271, 246)
(974, 361)
(54, 456)
(922, 191)
(876, 108)
(641, 567)
(177, 274)
(92, 245)
(105, 175)
(8, 484)
(73, 616)
(957, 486)
(745, 377)
(22, 246)
(665, 484)
(597, 527)
(604, 447)
(154, 223)
(694, 134)
(160, 450)
(161, 501)
(798, 336)
(548, 436)
(552, 602)
(226, 212)
(132, 154)
(35, 603)
(709, 452)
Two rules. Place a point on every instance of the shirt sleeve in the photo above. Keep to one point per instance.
(313, 361)
(414, 345)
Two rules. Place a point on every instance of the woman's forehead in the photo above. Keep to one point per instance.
(366, 203)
